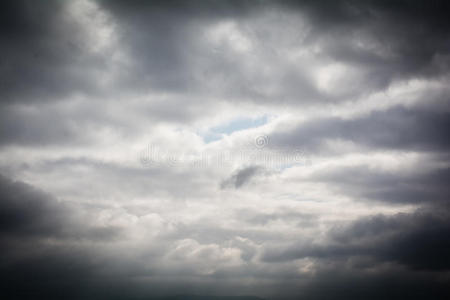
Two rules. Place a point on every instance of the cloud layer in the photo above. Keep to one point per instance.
(285, 150)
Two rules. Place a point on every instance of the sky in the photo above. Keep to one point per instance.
(275, 149)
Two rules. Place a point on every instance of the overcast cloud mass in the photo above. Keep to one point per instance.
(273, 149)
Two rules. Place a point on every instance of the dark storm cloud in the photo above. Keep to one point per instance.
(43, 54)
(46, 56)
(419, 241)
(414, 35)
(30, 213)
(164, 43)
(424, 187)
(173, 53)
(385, 41)
(42, 242)
(397, 128)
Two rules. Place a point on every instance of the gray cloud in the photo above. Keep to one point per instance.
(171, 55)
(363, 34)
(397, 128)
(44, 244)
(416, 240)
(28, 212)
(44, 54)
(394, 27)
(423, 187)
(241, 177)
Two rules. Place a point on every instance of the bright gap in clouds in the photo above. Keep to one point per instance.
(239, 124)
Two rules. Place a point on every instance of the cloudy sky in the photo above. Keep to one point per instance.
(285, 150)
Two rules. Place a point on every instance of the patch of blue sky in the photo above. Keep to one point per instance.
(218, 132)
